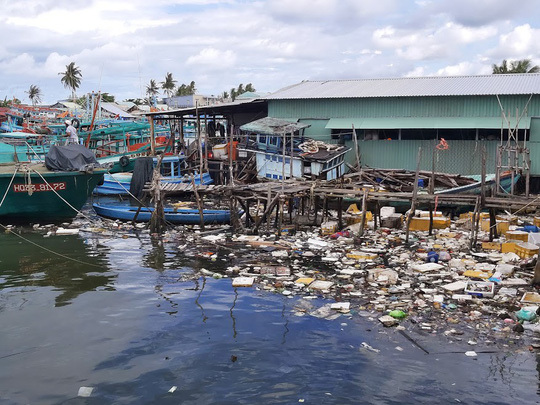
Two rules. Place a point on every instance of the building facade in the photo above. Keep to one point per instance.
(451, 118)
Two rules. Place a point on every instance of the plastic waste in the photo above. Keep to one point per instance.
(432, 257)
(525, 315)
(397, 314)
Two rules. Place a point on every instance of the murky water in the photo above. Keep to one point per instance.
(129, 318)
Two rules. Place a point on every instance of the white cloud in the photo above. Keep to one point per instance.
(271, 43)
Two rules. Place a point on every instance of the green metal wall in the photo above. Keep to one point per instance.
(463, 157)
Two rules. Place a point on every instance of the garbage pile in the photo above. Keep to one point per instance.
(435, 283)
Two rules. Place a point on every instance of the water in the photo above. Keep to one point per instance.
(131, 319)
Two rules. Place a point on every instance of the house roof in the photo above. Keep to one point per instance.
(495, 84)
(116, 110)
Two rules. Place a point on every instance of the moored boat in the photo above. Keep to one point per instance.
(33, 193)
(181, 216)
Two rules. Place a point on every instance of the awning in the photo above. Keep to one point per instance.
(272, 126)
(427, 122)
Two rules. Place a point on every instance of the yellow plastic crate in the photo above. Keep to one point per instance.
(517, 235)
(525, 250)
(329, 227)
(508, 247)
(536, 221)
(422, 224)
(362, 255)
(477, 274)
(491, 246)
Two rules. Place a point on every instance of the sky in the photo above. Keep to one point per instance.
(120, 45)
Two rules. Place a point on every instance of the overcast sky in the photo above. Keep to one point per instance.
(120, 45)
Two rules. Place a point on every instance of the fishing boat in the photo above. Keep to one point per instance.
(180, 216)
(172, 170)
(33, 193)
(505, 182)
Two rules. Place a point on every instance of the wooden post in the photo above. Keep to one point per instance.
(432, 186)
(475, 223)
(152, 136)
(356, 148)
(483, 179)
(492, 225)
(199, 202)
(415, 193)
(340, 213)
(280, 215)
(199, 137)
(364, 208)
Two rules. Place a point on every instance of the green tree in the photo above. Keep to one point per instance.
(71, 78)
(34, 94)
(240, 89)
(191, 87)
(225, 95)
(233, 94)
(250, 88)
(168, 85)
(107, 98)
(518, 66)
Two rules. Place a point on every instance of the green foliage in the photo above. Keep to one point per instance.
(71, 78)
(518, 66)
(186, 89)
(152, 88)
(34, 94)
(107, 98)
(137, 101)
(240, 90)
(168, 85)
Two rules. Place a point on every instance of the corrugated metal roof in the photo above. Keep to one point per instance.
(426, 122)
(116, 110)
(499, 84)
(272, 126)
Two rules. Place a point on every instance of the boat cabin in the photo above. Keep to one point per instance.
(281, 151)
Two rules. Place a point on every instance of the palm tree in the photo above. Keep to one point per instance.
(71, 78)
(168, 85)
(34, 94)
(249, 87)
(518, 66)
(152, 88)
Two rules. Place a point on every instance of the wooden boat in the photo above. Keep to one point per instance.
(33, 193)
(171, 170)
(184, 216)
(475, 188)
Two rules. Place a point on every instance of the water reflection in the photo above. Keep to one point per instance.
(63, 262)
(204, 317)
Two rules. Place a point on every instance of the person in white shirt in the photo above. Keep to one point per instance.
(71, 133)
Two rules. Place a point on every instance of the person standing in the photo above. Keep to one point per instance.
(71, 133)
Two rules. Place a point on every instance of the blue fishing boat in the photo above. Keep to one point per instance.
(172, 170)
(180, 216)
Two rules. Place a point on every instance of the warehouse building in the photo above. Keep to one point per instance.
(452, 118)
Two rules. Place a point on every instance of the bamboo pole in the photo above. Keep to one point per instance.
(356, 148)
(414, 195)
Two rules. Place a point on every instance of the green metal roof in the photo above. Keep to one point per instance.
(426, 122)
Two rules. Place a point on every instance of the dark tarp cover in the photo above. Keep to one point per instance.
(142, 173)
(69, 157)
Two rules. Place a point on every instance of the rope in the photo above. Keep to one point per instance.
(312, 146)
(62, 198)
(49, 250)
(9, 186)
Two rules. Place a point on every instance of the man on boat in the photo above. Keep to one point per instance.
(71, 133)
